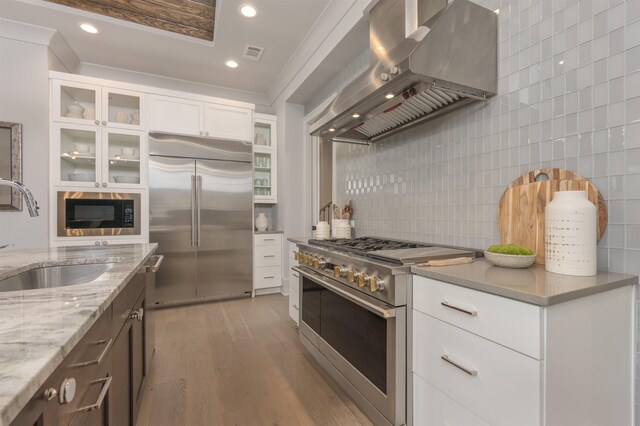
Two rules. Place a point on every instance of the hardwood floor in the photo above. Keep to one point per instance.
(238, 362)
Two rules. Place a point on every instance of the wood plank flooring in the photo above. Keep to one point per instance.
(238, 362)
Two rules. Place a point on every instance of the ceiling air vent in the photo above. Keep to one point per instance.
(253, 53)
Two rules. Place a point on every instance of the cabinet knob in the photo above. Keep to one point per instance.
(97, 184)
(67, 391)
(201, 133)
(97, 122)
(97, 243)
(104, 123)
(50, 393)
(104, 184)
(105, 243)
(137, 315)
(384, 76)
(206, 133)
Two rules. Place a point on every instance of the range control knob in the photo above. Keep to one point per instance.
(318, 263)
(376, 284)
(394, 71)
(351, 276)
(296, 255)
(309, 260)
(67, 391)
(384, 76)
(339, 271)
(362, 278)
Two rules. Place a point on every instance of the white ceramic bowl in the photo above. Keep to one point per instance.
(126, 179)
(82, 177)
(510, 260)
(81, 147)
(128, 152)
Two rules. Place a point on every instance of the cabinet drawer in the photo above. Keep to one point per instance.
(268, 276)
(484, 314)
(433, 408)
(501, 386)
(267, 239)
(268, 256)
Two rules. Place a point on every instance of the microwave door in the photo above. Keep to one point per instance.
(171, 225)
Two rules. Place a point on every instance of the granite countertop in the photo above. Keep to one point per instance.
(268, 232)
(531, 285)
(38, 328)
(299, 240)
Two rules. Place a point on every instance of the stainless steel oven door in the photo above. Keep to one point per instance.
(363, 338)
(81, 214)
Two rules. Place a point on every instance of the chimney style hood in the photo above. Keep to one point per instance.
(428, 57)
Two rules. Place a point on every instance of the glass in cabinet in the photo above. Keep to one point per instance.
(88, 156)
(264, 185)
(264, 130)
(87, 104)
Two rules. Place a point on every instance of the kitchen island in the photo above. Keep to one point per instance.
(40, 328)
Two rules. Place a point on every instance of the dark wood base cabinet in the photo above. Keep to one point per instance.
(108, 368)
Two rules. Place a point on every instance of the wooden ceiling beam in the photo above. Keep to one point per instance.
(187, 17)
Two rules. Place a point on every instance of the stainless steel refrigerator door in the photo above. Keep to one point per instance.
(172, 226)
(225, 232)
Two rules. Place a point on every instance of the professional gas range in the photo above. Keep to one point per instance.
(375, 266)
(353, 315)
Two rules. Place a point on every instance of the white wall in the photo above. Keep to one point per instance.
(24, 98)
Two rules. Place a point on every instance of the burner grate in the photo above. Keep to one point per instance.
(364, 245)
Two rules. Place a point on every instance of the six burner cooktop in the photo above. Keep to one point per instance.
(363, 245)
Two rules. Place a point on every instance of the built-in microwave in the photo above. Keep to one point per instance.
(83, 214)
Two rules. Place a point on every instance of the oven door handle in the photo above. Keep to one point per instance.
(378, 310)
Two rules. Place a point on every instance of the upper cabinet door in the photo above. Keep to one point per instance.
(76, 103)
(175, 115)
(75, 155)
(123, 109)
(227, 122)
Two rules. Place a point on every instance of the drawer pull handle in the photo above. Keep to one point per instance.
(98, 360)
(296, 306)
(103, 393)
(468, 371)
(269, 239)
(269, 255)
(269, 277)
(296, 275)
(459, 309)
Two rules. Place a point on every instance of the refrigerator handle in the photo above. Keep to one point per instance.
(194, 208)
(199, 207)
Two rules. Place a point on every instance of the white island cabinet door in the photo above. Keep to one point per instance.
(227, 122)
(175, 115)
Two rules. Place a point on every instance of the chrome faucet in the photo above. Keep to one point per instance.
(31, 203)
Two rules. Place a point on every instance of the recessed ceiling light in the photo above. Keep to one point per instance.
(356, 115)
(389, 95)
(331, 129)
(231, 63)
(89, 28)
(248, 11)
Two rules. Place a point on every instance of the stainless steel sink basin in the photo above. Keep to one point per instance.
(54, 276)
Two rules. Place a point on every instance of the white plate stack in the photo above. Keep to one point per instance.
(341, 228)
(322, 230)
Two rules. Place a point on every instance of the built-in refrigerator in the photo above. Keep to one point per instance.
(201, 216)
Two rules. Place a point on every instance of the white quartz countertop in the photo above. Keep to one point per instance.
(38, 328)
(531, 285)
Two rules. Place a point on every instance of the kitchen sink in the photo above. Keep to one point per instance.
(54, 276)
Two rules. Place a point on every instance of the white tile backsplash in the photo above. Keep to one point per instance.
(569, 96)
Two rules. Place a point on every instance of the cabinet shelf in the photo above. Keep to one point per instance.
(79, 160)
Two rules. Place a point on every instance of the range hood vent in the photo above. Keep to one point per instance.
(417, 72)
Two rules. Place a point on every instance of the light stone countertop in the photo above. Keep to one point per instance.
(268, 232)
(38, 328)
(532, 285)
(299, 240)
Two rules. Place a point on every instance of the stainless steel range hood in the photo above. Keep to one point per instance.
(428, 57)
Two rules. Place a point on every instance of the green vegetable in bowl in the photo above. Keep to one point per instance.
(513, 249)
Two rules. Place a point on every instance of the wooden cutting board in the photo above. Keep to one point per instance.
(521, 207)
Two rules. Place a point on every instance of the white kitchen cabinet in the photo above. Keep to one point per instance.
(294, 284)
(489, 359)
(94, 105)
(265, 159)
(267, 262)
(192, 117)
(85, 156)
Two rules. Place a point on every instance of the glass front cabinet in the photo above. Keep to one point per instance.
(90, 156)
(265, 159)
(80, 103)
